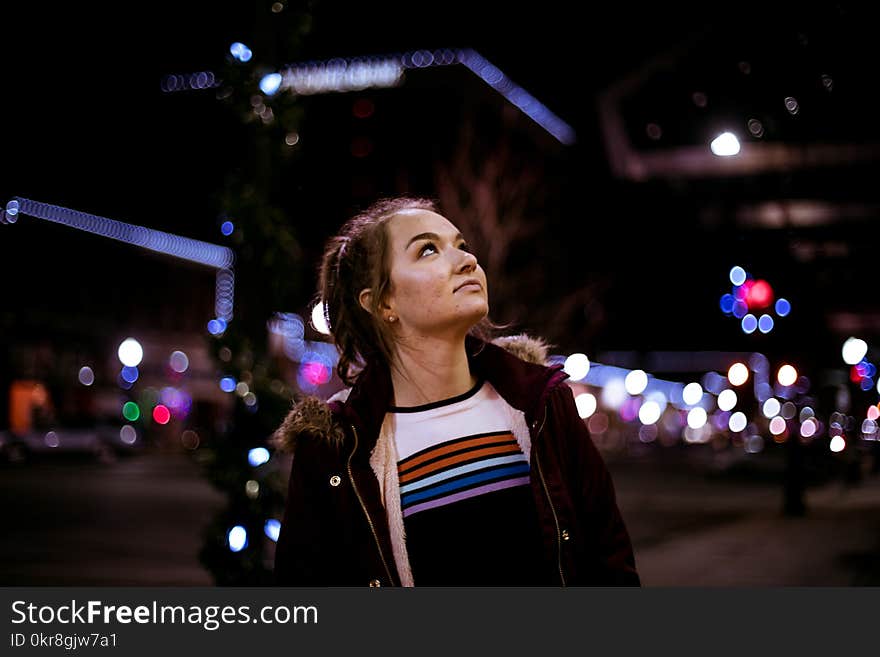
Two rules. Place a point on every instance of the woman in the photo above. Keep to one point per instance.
(450, 460)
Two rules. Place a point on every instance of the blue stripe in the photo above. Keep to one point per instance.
(495, 473)
(469, 467)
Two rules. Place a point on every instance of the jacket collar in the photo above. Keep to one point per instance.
(514, 365)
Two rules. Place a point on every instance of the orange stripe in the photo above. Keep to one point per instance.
(464, 444)
(459, 458)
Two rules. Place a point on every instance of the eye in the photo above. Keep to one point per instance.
(427, 245)
(464, 246)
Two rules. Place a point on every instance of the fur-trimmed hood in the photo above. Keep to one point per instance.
(314, 417)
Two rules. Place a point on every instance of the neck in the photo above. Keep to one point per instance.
(430, 369)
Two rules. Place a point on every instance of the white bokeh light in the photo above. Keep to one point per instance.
(727, 400)
(318, 319)
(697, 418)
(649, 412)
(613, 394)
(725, 145)
(577, 366)
(777, 425)
(692, 394)
(636, 382)
(586, 404)
(854, 350)
(837, 444)
(808, 428)
(787, 375)
(771, 408)
(738, 374)
(737, 421)
(130, 352)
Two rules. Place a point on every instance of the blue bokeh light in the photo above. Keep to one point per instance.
(258, 456)
(765, 324)
(867, 383)
(737, 275)
(270, 83)
(727, 301)
(129, 374)
(241, 52)
(749, 323)
(783, 307)
(227, 227)
(272, 528)
(740, 309)
(237, 538)
(227, 384)
(216, 326)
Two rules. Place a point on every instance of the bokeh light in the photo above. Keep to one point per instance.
(237, 538)
(86, 375)
(319, 321)
(161, 414)
(783, 307)
(636, 382)
(649, 412)
(787, 375)
(258, 456)
(692, 394)
(777, 425)
(577, 366)
(586, 404)
(131, 411)
(837, 444)
(771, 408)
(854, 350)
(727, 400)
(737, 422)
(179, 362)
(131, 353)
(725, 145)
(127, 434)
(272, 528)
(737, 275)
(696, 418)
(738, 374)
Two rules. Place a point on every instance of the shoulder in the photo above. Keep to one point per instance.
(310, 418)
(525, 347)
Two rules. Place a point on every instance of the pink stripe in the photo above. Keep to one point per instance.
(463, 495)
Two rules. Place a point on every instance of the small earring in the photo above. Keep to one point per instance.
(392, 318)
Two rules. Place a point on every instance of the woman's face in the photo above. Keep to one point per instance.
(437, 286)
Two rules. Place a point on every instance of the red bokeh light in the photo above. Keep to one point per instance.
(161, 414)
(316, 373)
(759, 294)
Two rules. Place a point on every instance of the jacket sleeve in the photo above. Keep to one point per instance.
(593, 492)
(300, 554)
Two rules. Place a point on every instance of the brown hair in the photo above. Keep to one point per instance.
(354, 259)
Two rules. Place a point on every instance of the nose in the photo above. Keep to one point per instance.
(468, 262)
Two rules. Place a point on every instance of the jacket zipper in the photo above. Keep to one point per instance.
(364, 507)
(550, 502)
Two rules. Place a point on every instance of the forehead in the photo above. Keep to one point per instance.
(407, 223)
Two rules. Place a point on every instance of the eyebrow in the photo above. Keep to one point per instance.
(431, 236)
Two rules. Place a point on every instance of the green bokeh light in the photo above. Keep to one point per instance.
(131, 411)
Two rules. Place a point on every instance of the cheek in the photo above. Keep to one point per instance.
(420, 292)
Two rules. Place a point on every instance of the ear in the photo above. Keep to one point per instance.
(365, 298)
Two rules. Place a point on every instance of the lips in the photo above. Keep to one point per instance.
(470, 281)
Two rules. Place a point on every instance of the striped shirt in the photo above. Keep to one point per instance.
(467, 504)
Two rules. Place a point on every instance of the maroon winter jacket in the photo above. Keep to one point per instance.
(340, 527)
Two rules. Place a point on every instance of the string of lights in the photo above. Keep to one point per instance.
(357, 73)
